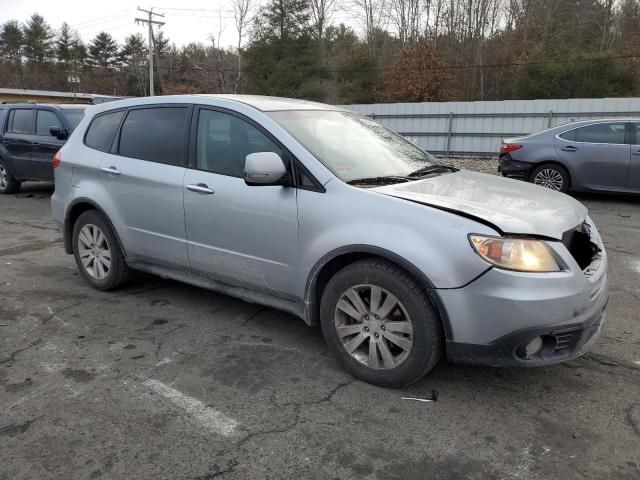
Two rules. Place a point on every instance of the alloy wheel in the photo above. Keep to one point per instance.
(94, 251)
(374, 327)
(549, 178)
(3, 178)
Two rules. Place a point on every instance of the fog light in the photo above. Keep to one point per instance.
(533, 347)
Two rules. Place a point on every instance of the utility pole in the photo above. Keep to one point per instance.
(151, 22)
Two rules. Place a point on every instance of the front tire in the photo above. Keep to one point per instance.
(551, 176)
(379, 324)
(8, 183)
(97, 252)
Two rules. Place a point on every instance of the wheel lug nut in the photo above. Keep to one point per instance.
(366, 317)
(383, 328)
(366, 329)
(376, 334)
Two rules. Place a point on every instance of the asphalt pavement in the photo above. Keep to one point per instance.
(162, 380)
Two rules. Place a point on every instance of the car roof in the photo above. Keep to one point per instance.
(259, 102)
(62, 106)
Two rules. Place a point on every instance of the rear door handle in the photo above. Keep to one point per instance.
(111, 170)
(570, 148)
(200, 188)
(637, 153)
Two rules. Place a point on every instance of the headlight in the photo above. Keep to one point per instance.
(521, 254)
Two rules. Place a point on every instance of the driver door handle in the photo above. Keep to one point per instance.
(111, 170)
(570, 148)
(637, 153)
(200, 188)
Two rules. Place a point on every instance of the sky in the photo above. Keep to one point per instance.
(185, 22)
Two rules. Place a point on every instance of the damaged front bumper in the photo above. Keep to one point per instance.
(493, 319)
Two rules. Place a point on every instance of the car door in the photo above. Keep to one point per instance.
(18, 140)
(44, 144)
(143, 175)
(597, 154)
(633, 180)
(242, 235)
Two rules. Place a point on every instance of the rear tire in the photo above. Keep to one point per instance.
(382, 311)
(8, 183)
(97, 252)
(551, 176)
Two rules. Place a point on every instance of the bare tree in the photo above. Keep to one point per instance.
(321, 13)
(406, 15)
(243, 11)
(373, 15)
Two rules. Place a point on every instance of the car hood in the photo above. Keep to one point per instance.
(512, 206)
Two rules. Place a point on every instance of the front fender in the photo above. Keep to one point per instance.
(433, 241)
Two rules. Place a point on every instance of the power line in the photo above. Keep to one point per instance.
(120, 13)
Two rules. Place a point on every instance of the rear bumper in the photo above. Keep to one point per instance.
(514, 169)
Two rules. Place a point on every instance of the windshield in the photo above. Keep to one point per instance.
(73, 116)
(353, 147)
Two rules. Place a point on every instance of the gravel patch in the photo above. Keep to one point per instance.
(484, 165)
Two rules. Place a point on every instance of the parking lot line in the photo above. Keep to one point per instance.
(208, 417)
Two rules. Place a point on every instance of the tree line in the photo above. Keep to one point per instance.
(397, 50)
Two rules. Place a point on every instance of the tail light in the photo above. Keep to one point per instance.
(508, 148)
(57, 158)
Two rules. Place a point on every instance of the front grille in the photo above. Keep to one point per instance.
(578, 242)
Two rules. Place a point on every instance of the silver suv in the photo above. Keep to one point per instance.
(327, 215)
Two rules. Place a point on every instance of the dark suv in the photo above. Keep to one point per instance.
(30, 135)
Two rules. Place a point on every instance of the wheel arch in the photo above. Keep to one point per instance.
(339, 258)
(77, 208)
(554, 163)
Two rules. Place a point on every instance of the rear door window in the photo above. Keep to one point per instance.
(155, 134)
(44, 120)
(21, 122)
(612, 133)
(102, 130)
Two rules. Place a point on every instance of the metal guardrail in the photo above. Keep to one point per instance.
(449, 134)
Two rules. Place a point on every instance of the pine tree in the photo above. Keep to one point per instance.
(11, 45)
(284, 57)
(103, 51)
(38, 40)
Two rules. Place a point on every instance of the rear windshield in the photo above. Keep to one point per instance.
(73, 116)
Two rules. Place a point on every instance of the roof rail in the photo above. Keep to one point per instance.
(32, 102)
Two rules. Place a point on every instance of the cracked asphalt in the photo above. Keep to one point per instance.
(165, 381)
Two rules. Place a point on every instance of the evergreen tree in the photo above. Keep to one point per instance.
(133, 57)
(38, 40)
(284, 58)
(12, 42)
(11, 45)
(103, 51)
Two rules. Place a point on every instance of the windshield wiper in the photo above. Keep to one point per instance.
(432, 169)
(379, 180)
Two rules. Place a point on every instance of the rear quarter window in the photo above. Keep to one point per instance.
(102, 130)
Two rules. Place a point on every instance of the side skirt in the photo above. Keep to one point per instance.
(245, 294)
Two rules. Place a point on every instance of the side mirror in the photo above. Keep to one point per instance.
(264, 168)
(59, 133)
